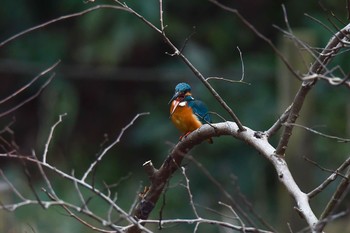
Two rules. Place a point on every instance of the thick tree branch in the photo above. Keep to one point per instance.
(337, 42)
(257, 141)
(159, 178)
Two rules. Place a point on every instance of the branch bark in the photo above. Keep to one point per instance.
(258, 141)
(338, 41)
(338, 196)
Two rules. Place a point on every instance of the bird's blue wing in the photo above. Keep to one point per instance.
(200, 110)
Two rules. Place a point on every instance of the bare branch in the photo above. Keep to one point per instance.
(12, 187)
(187, 186)
(113, 205)
(235, 215)
(33, 96)
(60, 19)
(325, 57)
(111, 145)
(235, 204)
(43, 174)
(50, 136)
(322, 168)
(81, 197)
(256, 32)
(125, 6)
(161, 15)
(227, 80)
(260, 144)
(208, 221)
(278, 124)
(242, 63)
(159, 178)
(330, 179)
(339, 139)
(177, 52)
(338, 196)
(53, 198)
(29, 84)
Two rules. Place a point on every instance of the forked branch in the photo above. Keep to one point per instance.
(259, 142)
(338, 41)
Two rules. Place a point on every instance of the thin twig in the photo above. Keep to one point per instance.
(43, 174)
(242, 63)
(259, 34)
(330, 179)
(92, 165)
(45, 204)
(21, 89)
(161, 15)
(208, 221)
(198, 74)
(278, 124)
(33, 96)
(324, 169)
(60, 19)
(336, 199)
(30, 183)
(227, 80)
(187, 186)
(235, 215)
(50, 136)
(53, 198)
(317, 67)
(233, 202)
(12, 187)
(319, 133)
(81, 197)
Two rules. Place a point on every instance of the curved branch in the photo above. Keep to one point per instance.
(258, 141)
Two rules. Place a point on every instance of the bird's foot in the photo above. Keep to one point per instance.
(184, 136)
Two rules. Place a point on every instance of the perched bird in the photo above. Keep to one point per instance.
(186, 113)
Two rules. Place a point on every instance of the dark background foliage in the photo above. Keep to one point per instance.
(113, 67)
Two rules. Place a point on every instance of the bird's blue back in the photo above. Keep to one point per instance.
(199, 109)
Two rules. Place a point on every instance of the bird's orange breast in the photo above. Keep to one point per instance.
(183, 117)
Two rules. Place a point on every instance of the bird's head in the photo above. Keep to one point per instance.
(181, 90)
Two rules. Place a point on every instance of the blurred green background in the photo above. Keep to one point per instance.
(113, 66)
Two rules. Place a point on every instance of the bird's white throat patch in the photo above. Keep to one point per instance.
(182, 104)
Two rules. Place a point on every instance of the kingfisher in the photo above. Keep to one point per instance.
(187, 113)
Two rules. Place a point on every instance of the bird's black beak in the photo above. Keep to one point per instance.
(174, 97)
